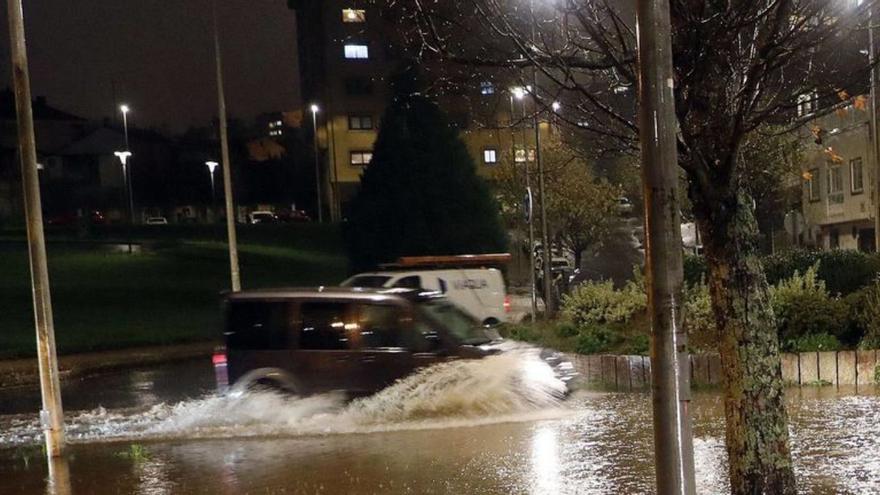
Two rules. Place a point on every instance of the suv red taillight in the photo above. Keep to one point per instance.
(507, 304)
(221, 374)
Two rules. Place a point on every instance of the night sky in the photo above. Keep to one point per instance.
(159, 56)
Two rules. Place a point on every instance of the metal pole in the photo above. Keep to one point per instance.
(52, 415)
(317, 167)
(127, 176)
(673, 442)
(875, 136)
(534, 284)
(227, 173)
(549, 303)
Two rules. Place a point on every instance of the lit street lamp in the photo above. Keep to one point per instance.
(314, 108)
(126, 171)
(212, 165)
(123, 158)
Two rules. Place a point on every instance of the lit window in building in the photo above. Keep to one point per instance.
(531, 154)
(487, 88)
(856, 176)
(520, 155)
(360, 122)
(271, 125)
(490, 156)
(361, 158)
(357, 52)
(354, 15)
(278, 123)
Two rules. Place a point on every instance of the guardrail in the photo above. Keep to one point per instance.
(805, 368)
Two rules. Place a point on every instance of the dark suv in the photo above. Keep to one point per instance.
(310, 341)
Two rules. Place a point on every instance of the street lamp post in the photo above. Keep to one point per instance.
(212, 165)
(519, 93)
(314, 108)
(125, 109)
(123, 158)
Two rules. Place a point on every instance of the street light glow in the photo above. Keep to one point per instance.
(123, 156)
(314, 108)
(556, 106)
(124, 108)
(212, 165)
(518, 92)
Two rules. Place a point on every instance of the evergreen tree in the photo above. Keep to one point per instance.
(420, 194)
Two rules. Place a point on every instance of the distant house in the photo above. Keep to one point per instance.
(54, 129)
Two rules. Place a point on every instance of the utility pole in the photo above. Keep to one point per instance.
(52, 414)
(875, 135)
(320, 207)
(227, 173)
(549, 303)
(673, 442)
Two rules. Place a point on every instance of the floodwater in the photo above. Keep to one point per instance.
(492, 426)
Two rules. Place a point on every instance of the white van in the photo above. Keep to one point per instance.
(479, 291)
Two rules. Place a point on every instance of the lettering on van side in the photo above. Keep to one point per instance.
(470, 283)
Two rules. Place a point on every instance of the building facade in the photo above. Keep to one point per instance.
(839, 180)
(347, 55)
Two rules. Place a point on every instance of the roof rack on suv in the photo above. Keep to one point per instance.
(449, 261)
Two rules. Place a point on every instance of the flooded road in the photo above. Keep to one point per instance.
(158, 433)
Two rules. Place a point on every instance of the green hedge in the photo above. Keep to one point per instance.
(843, 271)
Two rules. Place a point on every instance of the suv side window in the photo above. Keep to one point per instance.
(323, 326)
(387, 326)
(411, 282)
(262, 325)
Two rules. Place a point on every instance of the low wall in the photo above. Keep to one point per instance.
(805, 368)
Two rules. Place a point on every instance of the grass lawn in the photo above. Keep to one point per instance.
(105, 300)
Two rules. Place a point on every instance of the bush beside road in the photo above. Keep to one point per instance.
(167, 295)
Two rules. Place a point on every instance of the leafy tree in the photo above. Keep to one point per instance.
(420, 195)
(581, 208)
(738, 66)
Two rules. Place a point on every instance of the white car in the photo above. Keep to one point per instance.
(156, 221)
(478, 291)
(262, 217)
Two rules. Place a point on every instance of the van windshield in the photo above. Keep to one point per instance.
(367, 281)
(463, 326)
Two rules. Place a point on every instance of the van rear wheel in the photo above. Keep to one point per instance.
(491, 322)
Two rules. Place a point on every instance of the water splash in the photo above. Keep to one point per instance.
(513, 386)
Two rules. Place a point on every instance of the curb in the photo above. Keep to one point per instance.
(24, 372)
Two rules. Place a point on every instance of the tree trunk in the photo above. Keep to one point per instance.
(756, 420)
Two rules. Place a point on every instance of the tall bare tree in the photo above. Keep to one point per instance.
(738, 65)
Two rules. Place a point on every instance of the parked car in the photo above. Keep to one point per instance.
(309, 341)
(478, 291)
(156, 221)
(262, 217)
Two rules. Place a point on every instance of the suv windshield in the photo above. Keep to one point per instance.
(367, 281)
(462, 325)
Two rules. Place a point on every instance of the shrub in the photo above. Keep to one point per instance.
(812, 343)
(638, 344)
(803, 307)
(694, 269)
(596, 303)
(525, 333)
(843, 271)
(596, 339)
(699, 319)
(566, 329)
(865, 314)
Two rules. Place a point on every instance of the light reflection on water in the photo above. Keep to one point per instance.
(603, 444)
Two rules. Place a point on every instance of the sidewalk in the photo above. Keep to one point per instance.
(24, 372)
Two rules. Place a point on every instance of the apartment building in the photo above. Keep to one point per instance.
(839, 180)
(347, 55)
